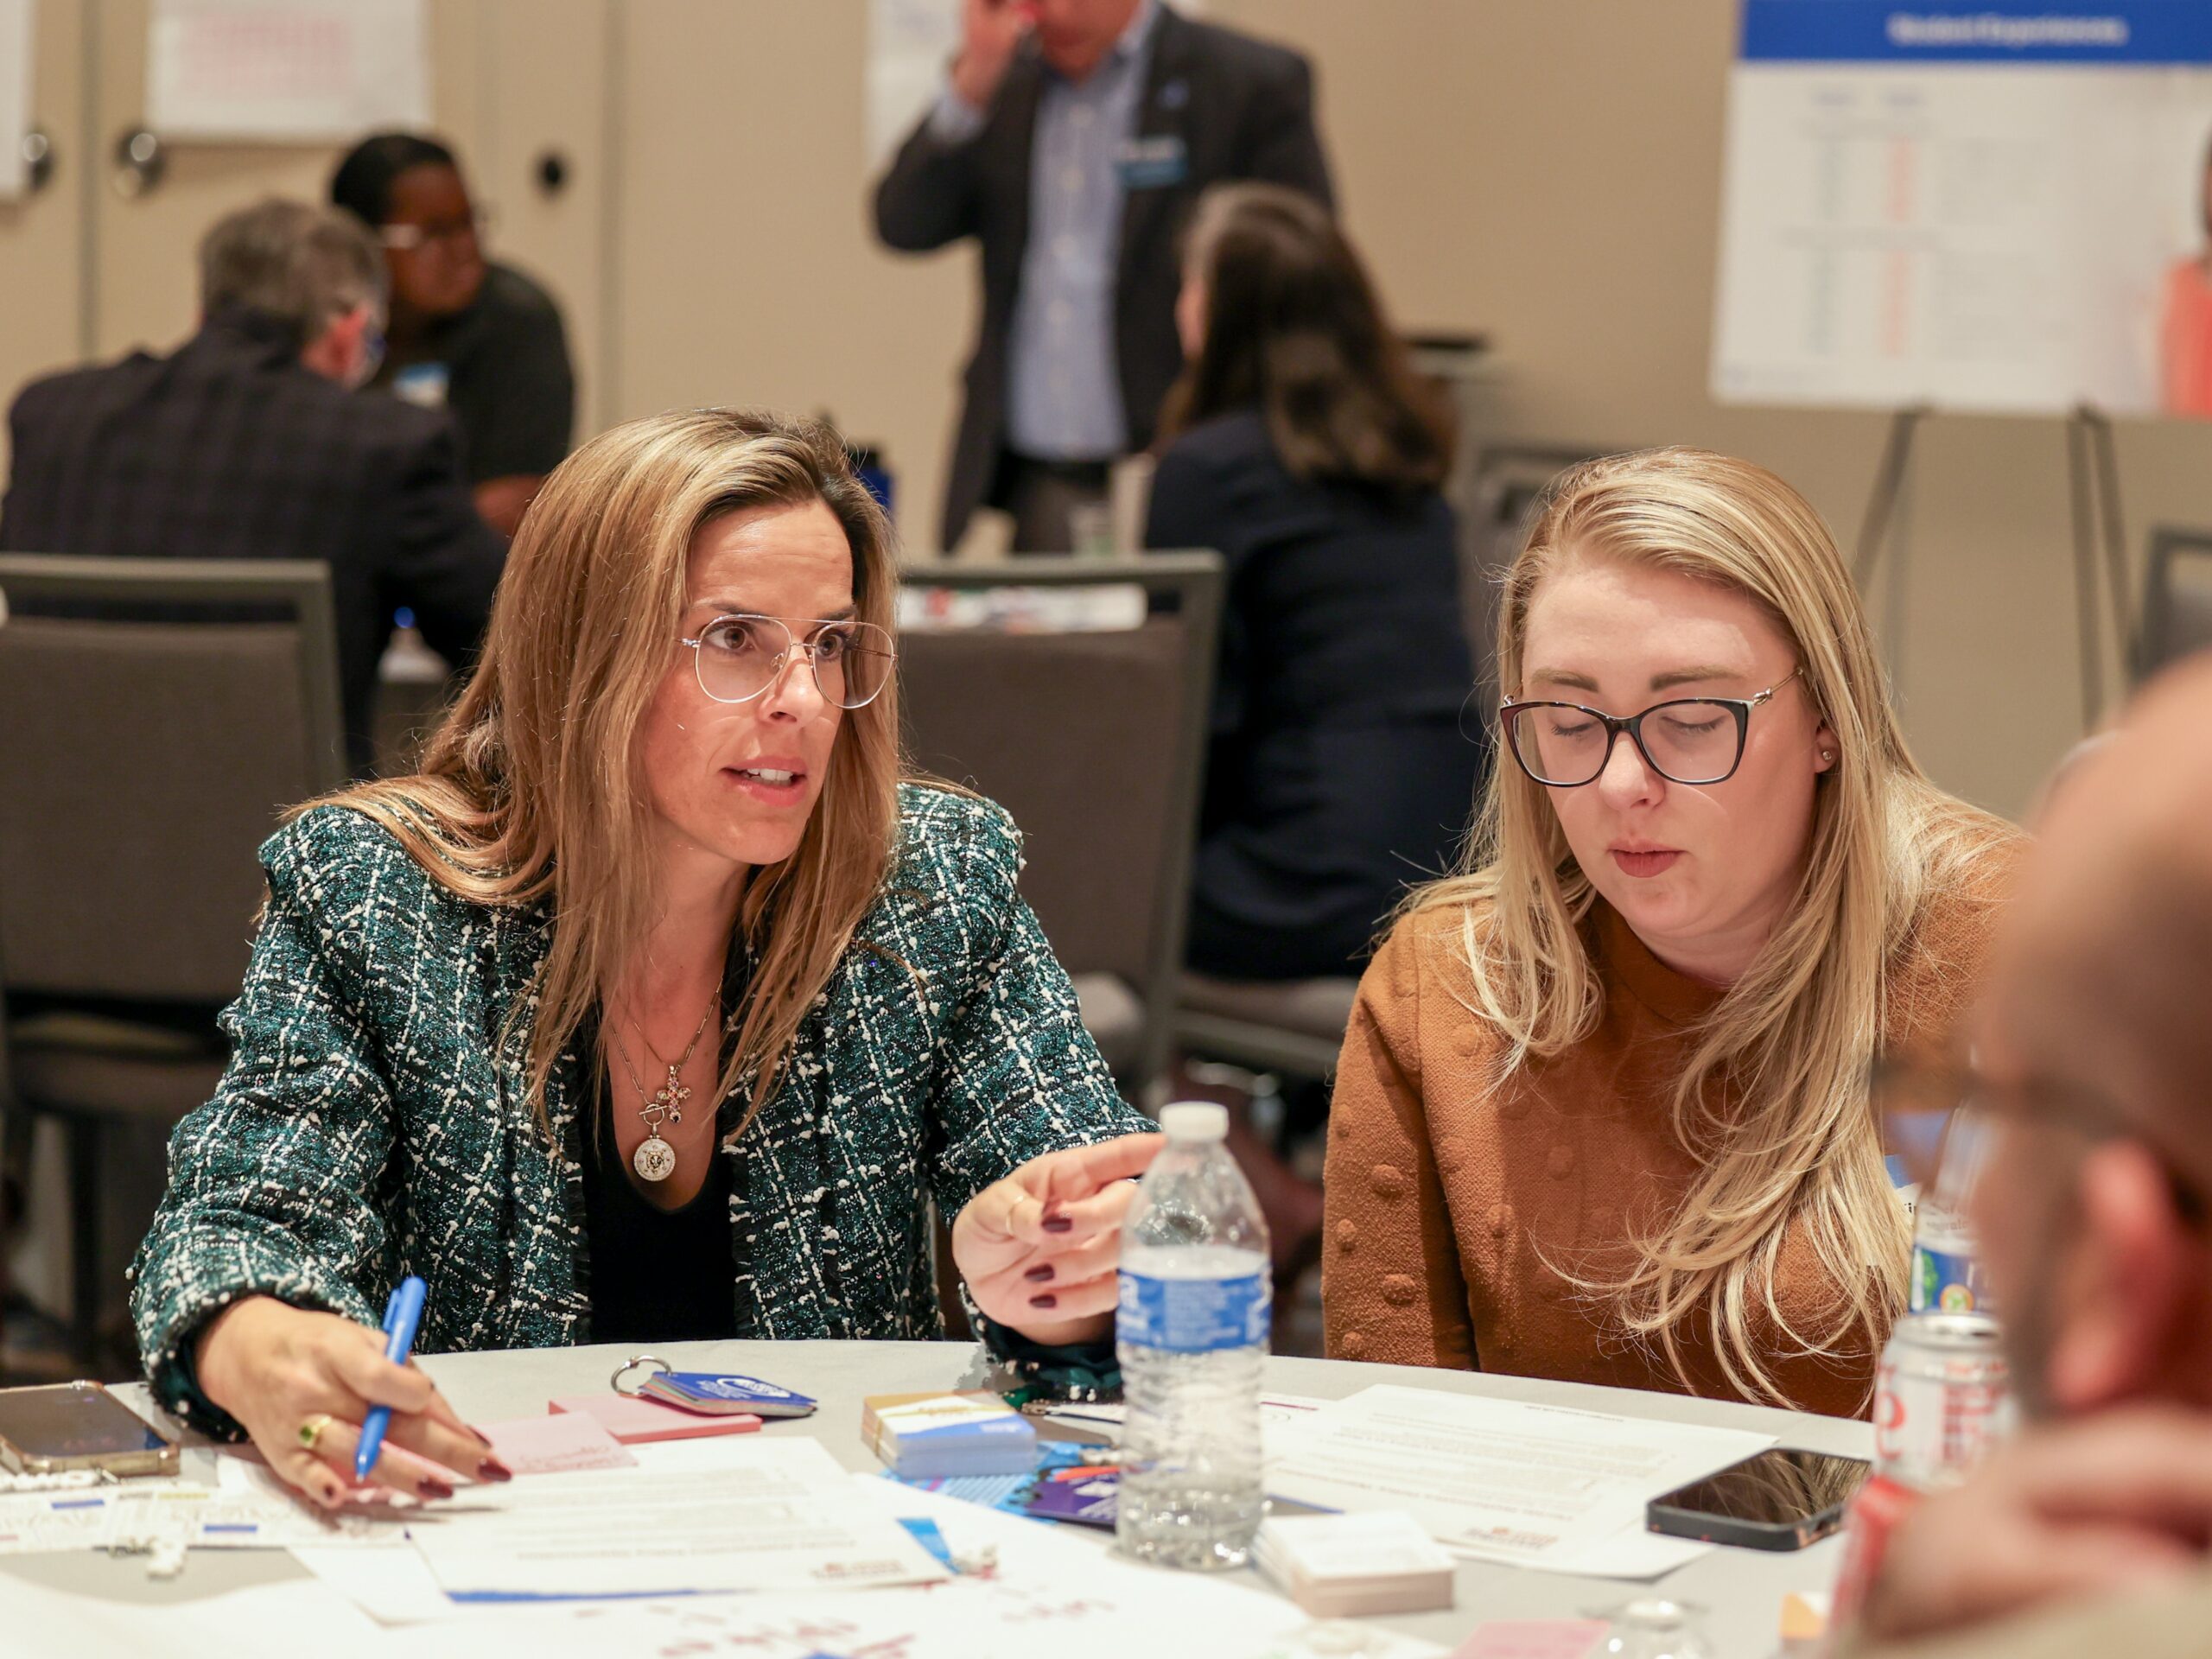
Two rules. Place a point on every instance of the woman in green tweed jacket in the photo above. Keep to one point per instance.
(470, 1043)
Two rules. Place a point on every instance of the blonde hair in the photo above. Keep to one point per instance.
(528, 792)
(1796, 1033)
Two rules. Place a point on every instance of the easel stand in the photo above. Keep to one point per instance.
(2093, 489)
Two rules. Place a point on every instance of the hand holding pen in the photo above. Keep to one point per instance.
(305, 1384)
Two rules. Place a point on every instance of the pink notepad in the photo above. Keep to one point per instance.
(636, 1422)
(559, 1443)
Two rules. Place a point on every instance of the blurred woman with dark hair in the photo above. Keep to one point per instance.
(471, 334)
(1302, 446)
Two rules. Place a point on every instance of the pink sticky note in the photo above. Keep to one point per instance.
(1532, 1638)
(635, 1421)
(558, 1443)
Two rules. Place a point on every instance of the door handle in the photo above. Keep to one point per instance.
(141, 159)
(38, 160)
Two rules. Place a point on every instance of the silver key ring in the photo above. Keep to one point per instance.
(630, 1364)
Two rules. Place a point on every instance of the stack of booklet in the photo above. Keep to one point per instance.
(1351, 1565)
(927, 1435)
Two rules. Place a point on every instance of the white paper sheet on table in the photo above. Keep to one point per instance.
(1505, 1480)
(753, 1515)
(1049, 1592)
(234, 1512)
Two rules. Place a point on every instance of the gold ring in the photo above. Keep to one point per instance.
(311, 1430)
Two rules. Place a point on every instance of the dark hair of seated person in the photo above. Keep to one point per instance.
(362, 184)
(1295, 330)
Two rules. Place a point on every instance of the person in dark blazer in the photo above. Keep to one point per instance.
(249, 441)
(1071, 142)
(1300, 446)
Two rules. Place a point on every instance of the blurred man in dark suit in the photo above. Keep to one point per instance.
(248, 441)
(1070, 141)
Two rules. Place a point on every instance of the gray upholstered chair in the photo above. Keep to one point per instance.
(155, 717)
(1093, 739)
(2176, 599)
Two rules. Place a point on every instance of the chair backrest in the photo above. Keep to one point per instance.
(2176, 598)
(155, 716)
(1506, 481)
(1093, 739)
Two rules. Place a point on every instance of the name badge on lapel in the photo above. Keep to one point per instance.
(1153, 163)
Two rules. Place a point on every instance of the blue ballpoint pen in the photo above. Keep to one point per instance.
(401, 1316)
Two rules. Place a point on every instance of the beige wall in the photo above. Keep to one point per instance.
(1544, 170)
(746, 270)
(1549, 170)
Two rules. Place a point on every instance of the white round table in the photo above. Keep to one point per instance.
(1741, 1589)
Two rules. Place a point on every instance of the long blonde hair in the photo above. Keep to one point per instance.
(1773, 1101)
(528, 792)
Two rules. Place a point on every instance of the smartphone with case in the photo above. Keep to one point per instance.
(64, 1425)
(1780, 1500)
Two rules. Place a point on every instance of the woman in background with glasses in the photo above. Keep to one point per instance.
(650, 1008)
(473, 334)
(1603, 1112)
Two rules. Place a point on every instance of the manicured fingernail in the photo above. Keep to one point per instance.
(492, 1469)
(1047, 1300)
(1059, 1224)
(431, 1486)
(1038, 1275)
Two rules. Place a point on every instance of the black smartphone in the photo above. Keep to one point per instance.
(1781, 1499)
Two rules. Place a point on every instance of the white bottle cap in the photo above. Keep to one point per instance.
(1195, 1119)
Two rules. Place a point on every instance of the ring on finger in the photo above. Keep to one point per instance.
(311, 1430)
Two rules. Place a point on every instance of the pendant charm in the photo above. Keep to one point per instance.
(671, 1098)
(654, 1160)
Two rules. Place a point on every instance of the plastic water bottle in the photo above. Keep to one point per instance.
(1192, 1336)
(1945, 1260)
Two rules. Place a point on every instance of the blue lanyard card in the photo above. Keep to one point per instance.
(716, 1393)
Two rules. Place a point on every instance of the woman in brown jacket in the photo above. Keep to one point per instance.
(1602, 1113)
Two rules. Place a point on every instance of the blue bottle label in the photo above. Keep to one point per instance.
(1193, 1316)
(1944, 1282)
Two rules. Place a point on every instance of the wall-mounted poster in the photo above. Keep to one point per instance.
(2002, 209)
(285, 70)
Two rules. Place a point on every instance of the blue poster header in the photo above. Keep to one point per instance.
(1897, 32)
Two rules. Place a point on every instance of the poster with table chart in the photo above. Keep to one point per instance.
(2001, 209)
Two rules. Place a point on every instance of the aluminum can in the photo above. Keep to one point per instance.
(1943, 1400)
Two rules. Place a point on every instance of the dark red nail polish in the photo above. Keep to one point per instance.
(1040, 1273)
(492, 1469)
(1047, 1300)
(433, 1487)
(1059, 1224)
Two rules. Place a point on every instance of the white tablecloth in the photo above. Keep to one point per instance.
(1741, 1589)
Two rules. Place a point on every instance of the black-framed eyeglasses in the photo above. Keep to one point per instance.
(1688, 740)
(738, 657)
(1935, 1117)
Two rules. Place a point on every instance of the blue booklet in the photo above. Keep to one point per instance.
(716, 1393)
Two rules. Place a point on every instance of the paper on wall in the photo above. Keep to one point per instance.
(285, 70)
(909, 44)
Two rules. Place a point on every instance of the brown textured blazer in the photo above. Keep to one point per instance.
(1452, 1199)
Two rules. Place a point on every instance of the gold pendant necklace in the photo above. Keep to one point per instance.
(654, 1159)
